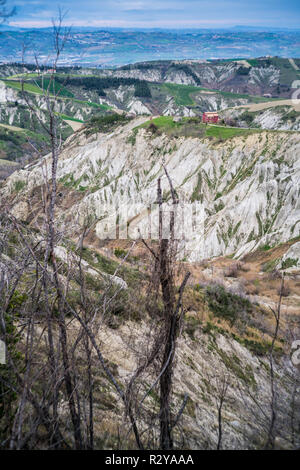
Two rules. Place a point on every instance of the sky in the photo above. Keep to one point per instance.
(159, 13)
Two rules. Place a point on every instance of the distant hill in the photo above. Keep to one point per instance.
(113, 47)
(166, 88)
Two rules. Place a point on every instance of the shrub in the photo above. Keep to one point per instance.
(244, 267)
(232, 270)
(153, 128)
(288, 263)
(265, 247)
(106, 123)
(225, 304)
(120, 253)
(270, 266)
(19, 185)
(274, 274)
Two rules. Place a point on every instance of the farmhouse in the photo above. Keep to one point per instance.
(210, 117)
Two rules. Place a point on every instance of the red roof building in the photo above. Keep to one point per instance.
(210, 117)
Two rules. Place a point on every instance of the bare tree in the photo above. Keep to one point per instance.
(222, 388)
(273, 404)
(164, 278)
(51, 308)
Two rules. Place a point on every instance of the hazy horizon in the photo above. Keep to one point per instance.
(166, 14)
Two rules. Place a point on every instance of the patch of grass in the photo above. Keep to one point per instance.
(233, 363)
(269, 266)
(132, 138)
(193, 127)
(28, 87)
(130, 274)
(162, 122)
(69, 118)
(105, 123)
(119, 253)
(259, 348)
(52, 86)
(187, 127)
(226, 305)
(191, 326)
(181, 93)
(19, 185)
(221, 132)
(265, 247)
(289, 263)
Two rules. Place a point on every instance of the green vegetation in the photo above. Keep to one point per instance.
(265, 247)
(130, 274)
(99, 84)
(226, 305)
(64, 94)
(120, 253)
(163, 122)
(53, 86)
(19, 185)
(192, 127)
(269, 266)
(289, 263)
(181, 93)
(69, 118)
(105, 123)
(287, 72)
(221, 132)
(142, 90)
(233, 363)
(15, 143)
(28, 87)
(8, 404)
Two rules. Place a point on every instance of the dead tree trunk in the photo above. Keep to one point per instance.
(172, 311)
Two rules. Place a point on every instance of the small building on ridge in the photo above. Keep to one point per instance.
(210, 117)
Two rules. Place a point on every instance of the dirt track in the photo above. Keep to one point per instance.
(271, 104)
(12, 128)
(74, 124)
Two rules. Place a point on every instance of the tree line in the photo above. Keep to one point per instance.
(100, 84)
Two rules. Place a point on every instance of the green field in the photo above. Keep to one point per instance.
(53, 87)
(250, 98)
(193, 127)
(69, 118)
(162, 122)
(23, 75)
(29, 87)
(64, 94)
(221, 132)
(183, 94)
(39, 86)
(287, 72)
(14, 143)
(104, 107)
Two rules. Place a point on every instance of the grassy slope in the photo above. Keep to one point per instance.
(183, 94)
(167, 125)
(64, 94)
(14, 143)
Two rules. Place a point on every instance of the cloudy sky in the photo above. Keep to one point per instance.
(159, 13)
